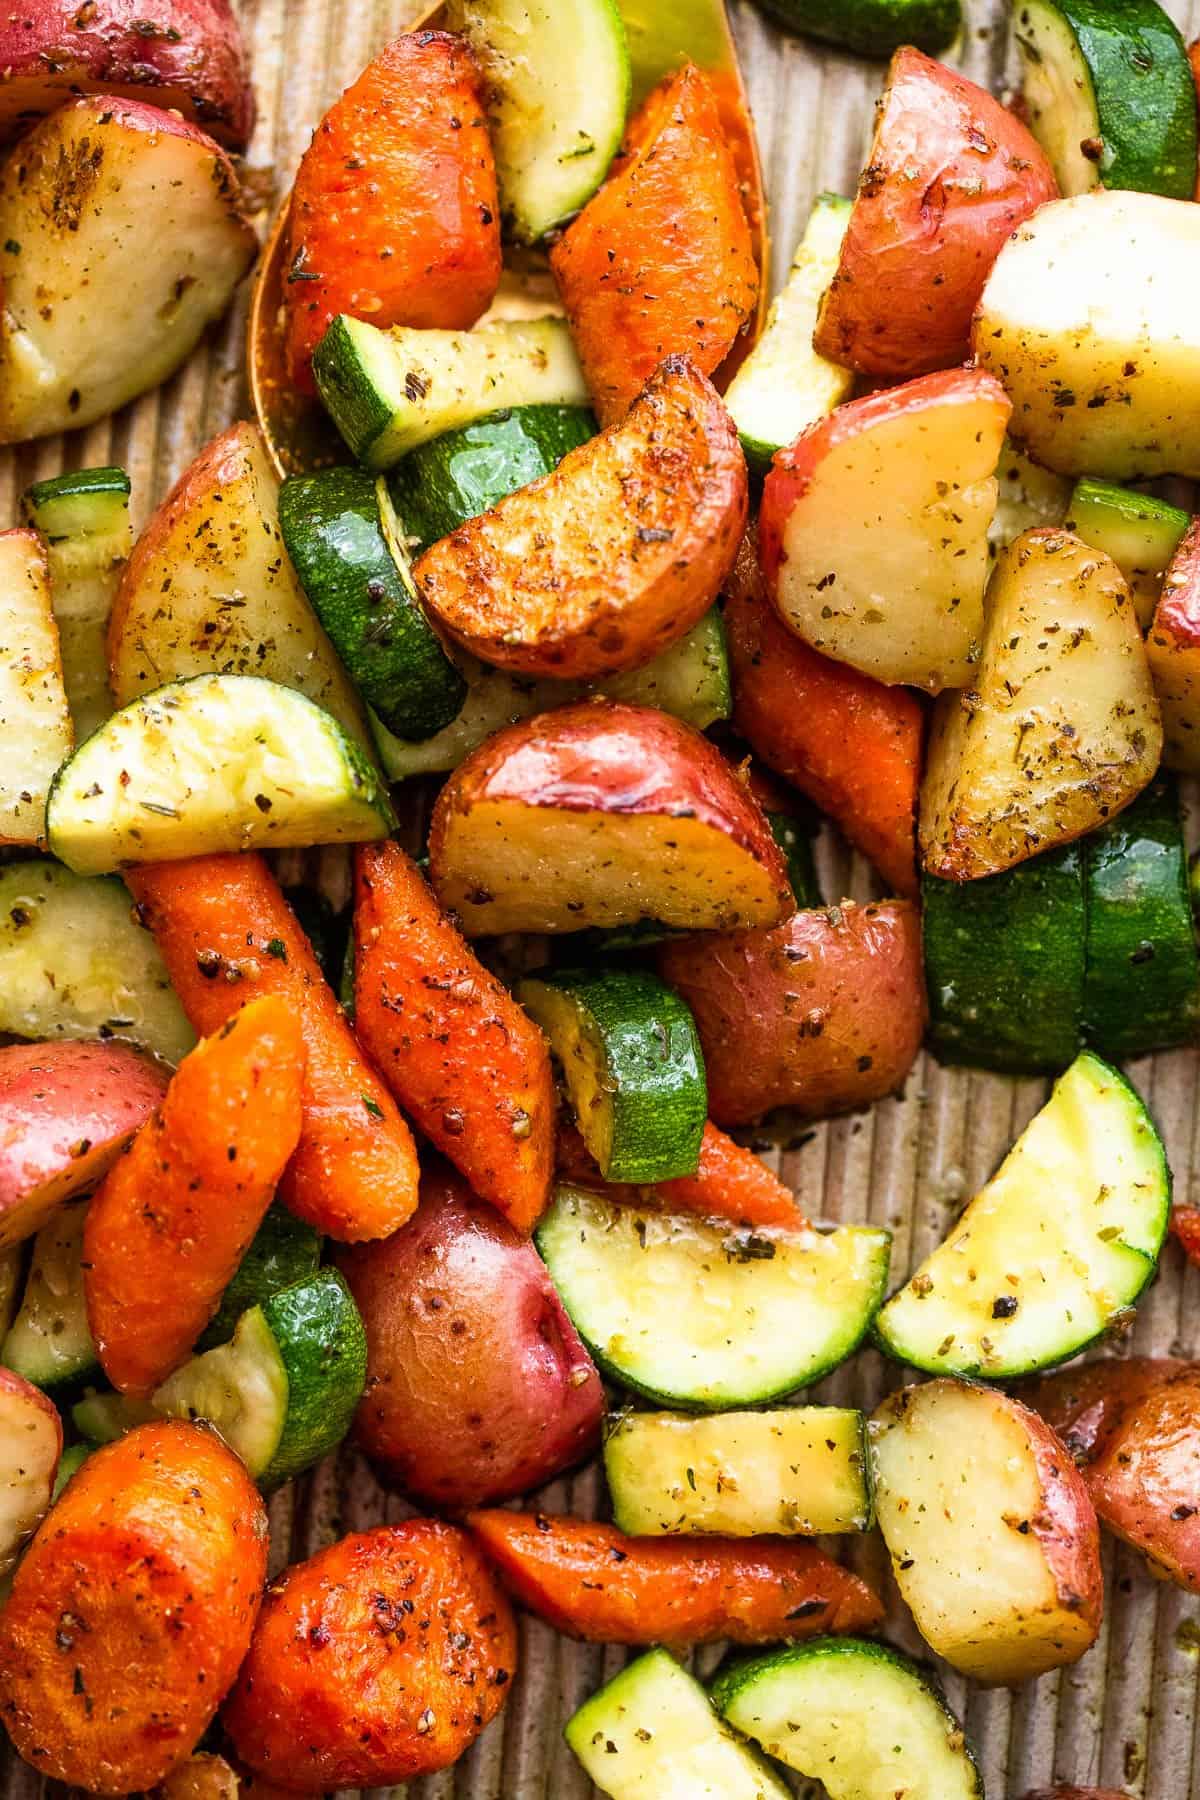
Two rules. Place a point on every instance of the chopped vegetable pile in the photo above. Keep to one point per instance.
(409, 914)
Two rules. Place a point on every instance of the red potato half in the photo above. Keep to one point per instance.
(602, 814)
(31, 1442)
(1084, 1405)
(1173, 652)
(821, 1014)
(994, 1542)
(122, 237)
(620, 550)
(874, 528)
(186, 55)
(950, 175)
(67, 1110)
(478, 1387)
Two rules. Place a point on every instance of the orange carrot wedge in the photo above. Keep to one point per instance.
(227, 934)
(174, 1216)
(730, 1182)
(593, 1582)
(457, 1051)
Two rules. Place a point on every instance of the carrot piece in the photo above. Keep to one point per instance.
(660, 262)
(459, 1054)
(730, 1182)
(174, 1216)
(227, 933)
(395, 217)
(378, 1659)
(1185, 1228)
(133, 1609)
(851, 744)
(593, 1582)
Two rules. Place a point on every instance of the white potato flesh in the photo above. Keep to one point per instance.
(1060, 729)
(121, 239)
(30, 1446)
(209, 590)
(1089, 320)
(35, 725)
(886, 545)
(994, 1543)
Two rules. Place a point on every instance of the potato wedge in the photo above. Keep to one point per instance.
(186, 55)
(35, 722)
(1173, 652)
(209, 588)
(602, 814)
(1060, 729)
(1087, 319)
(622, 548)
(1084, 1406)
(994, 1542)
(820, 1014)
(950, 174)
(30, 1445)
(874, 528)
(122, 237)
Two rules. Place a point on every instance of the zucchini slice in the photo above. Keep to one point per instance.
(283, 1252)
(558, 81)
(784, 385)
(214, 763)
(705, 1318)
(795, 839)
(84, 518)
(1109, 94)
(1140, 532)
(801, 1470)
(1142, 987)
(652, 1732)
(340, 532)
(76, 963)
(1027, 495)
(857, 1716)
(49, 1342)
(1061, 1241)
(633, 1067)
(455, 477)
(690, 679)
(389, 391)
(871, 27)
(1004, 965)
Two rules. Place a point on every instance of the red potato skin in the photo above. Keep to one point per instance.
(459, 1054)
(1084, 1405)
(132, 1609)
(950, 176)
(226, 934)
(850, 743)
(67, 1110)
(395, 216)
(660, 262)
(174, 1217)
(478, 1387)
(591, 1581)
(1185, 1229)
(379, 1659)
(186, 55)
(730, 1183)
(821, 1014)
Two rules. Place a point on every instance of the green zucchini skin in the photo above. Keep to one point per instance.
(1142, 988)
(321, 1340)
(870, 27)
(81, 502)
(284, 1251)
(336, 538)
(796, 842)
(442, 484)
(1004, 965)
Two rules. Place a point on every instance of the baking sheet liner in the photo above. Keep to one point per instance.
(1124, 1717)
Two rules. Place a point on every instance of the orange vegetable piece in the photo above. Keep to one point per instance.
(730, 1182)
(593, 1582)
(459, 1054)
(848, 742)
(378, 1659)
(132, 1609)
(1185, 1228)
(660, 262)
(395, 217)
(227, 934)
(175, 1214)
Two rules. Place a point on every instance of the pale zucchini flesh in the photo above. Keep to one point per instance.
(241, 1388)
(1060, 100)
(35, 723)
(49, 1341)
(704, 1317)
(1139, 532)
(1028, 495)
(796, 1471)
(1053, 1251)
(217, 763)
